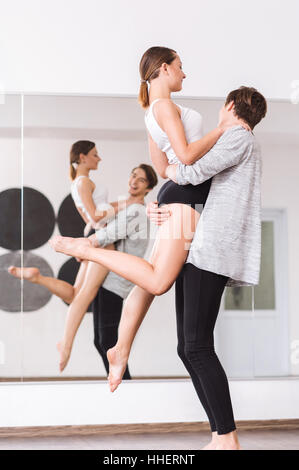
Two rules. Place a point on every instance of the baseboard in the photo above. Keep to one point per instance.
(146, 428)
(84, 379)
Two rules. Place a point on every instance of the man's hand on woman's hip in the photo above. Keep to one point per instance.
(156, 214)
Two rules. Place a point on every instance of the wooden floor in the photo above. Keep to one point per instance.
(250, 440)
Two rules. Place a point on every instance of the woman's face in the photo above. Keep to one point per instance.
(176, 74)
(91, 159)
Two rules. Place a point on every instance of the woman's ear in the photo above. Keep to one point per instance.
(164, 68)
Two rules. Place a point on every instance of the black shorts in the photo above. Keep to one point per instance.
(194, 196)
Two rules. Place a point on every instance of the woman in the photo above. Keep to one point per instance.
(174, 134)
(91, 203)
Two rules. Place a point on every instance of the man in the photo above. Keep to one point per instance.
(225, 251)
(129, 232)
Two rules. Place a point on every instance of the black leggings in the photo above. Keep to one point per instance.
(198, 296)
(106, 308)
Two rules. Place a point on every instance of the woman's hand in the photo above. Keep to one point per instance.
(227, 121)
(156, 214)
(171, 172)
(94, 240)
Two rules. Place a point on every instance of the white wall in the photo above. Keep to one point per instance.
(95, 46)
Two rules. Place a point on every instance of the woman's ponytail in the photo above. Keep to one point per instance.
(143, 97)
(73, 172)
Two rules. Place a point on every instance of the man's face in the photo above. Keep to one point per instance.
(138, 183)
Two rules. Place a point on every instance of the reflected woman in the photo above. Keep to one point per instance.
(91, 203)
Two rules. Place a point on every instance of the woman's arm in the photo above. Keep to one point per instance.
(158, 158)
(86, 220)
(168, 118)
(85, 189)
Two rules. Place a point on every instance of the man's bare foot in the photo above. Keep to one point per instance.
(30, 274)
(64, 355)
(228, 447)
(228, 441)
(70, 246)
(117, 367)
(213, 444)
(224, 447)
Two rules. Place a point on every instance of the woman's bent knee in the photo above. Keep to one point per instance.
(161, 288)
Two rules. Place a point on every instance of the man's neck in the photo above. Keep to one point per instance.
(241, 122)
(136, 199)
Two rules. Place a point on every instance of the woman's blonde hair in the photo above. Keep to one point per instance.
(82, 146)
(149, 69)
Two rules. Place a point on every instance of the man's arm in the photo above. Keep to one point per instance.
(230, 150)
(119, 228)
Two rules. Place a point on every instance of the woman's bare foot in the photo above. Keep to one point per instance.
(117, 367)
(30, 274)
(64, 355)
(70, 246)
(213, 444)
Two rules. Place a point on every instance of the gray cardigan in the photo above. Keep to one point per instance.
(227, 240)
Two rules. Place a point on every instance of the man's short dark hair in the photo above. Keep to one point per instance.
(151, 175)
(250, 105)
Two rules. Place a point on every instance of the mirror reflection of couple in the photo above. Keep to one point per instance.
(212, 199)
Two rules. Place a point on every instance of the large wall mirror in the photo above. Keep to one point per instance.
(255, 327)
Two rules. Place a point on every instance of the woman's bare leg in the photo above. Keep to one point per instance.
(58, 287)
(93, 279)
(134, 310)
(174, 238)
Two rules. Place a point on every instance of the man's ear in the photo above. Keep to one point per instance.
(230, 106)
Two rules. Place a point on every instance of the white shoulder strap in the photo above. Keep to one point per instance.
(157, 99)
